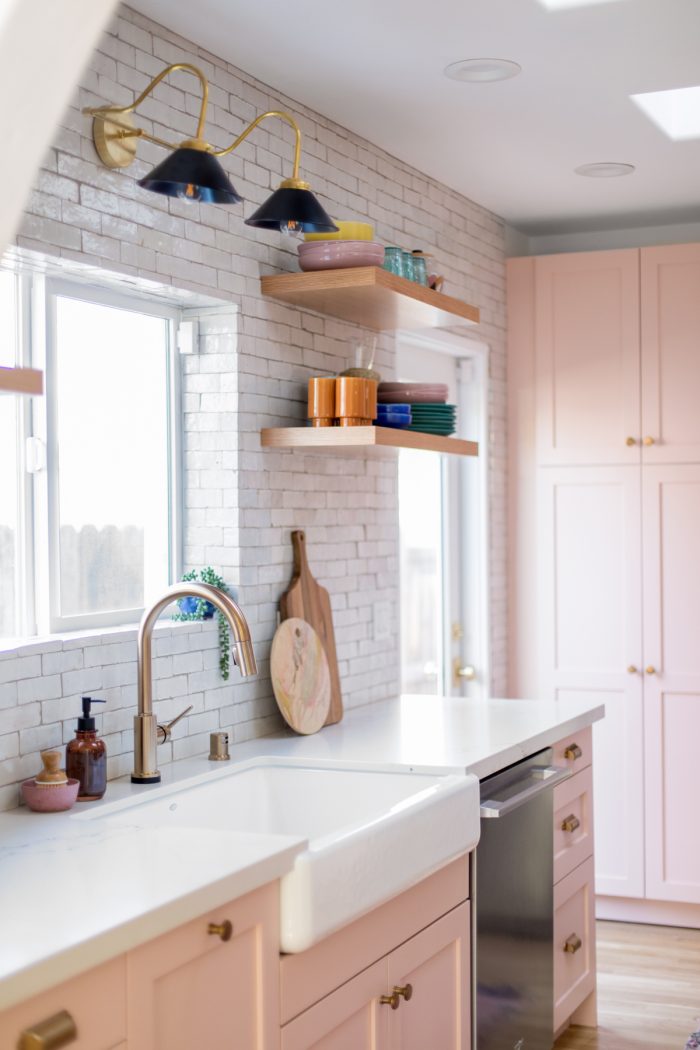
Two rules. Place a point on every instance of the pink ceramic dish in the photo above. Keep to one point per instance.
(50, 798)
(335, 255)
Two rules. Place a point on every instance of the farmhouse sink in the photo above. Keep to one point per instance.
(371, 833)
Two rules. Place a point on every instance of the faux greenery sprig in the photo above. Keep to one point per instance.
(207, 575)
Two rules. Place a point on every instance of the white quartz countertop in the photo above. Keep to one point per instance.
(74, 893)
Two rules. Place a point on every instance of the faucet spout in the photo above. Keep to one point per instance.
(146, 729)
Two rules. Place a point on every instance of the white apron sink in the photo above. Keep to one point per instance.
(371, 833)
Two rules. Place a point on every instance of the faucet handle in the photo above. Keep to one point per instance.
(164, 731)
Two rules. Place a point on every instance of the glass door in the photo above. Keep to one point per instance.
(442, 501)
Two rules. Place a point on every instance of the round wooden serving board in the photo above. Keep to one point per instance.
(300, 676)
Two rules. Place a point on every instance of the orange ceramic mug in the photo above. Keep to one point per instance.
(321, 401)
(355, 401)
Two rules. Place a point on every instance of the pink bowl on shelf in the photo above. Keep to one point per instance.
(50, 798)
(335, 255)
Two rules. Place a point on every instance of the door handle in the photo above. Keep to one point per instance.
(463, 673)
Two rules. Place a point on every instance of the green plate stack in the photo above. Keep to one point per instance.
(434, 418)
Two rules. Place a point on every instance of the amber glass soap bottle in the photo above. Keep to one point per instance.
(86, 756)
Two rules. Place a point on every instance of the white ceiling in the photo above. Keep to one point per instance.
(375, 67)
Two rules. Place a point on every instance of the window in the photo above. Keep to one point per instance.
(93, 538)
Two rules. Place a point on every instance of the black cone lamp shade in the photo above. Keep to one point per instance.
(191, 174)
(294, 210)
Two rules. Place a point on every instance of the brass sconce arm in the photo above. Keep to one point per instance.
(270, 113)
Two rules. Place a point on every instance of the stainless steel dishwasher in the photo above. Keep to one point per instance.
(512, 891)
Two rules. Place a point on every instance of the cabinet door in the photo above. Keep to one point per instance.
(589, 617)
(587, 358)
(670, 358)
(189, 988)
(672, 692)
(435, 963)
(351, 1018)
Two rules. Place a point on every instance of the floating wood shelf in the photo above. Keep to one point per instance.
(21, 381)
(369, 296)
(339, 438)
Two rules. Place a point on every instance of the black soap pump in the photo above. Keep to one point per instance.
(86, 756)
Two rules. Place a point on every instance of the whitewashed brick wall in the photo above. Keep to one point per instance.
(241, 501)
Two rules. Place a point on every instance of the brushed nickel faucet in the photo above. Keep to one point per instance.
(147, 732)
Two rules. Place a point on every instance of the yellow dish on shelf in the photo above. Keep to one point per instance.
(347, 231)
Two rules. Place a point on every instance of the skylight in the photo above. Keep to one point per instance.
(675, 112)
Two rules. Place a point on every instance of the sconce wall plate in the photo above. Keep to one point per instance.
(115, 147)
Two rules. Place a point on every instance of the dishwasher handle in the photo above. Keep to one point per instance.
(548, 777)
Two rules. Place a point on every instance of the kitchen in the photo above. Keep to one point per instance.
(242, 500)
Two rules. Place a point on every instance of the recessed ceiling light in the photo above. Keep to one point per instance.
(676, 112)
(605, 169)
(482, 70)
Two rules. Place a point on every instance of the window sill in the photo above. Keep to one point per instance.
(50, 643)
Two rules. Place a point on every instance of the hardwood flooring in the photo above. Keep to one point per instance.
(648, 989)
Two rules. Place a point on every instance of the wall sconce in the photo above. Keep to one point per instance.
(192, 171)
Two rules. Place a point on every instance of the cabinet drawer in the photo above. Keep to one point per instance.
(566, 751)
(95, 1000)
(573, 823)
(574, 941)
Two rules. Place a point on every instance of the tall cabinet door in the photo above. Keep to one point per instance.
(670, 282)
(671, 498)
(587, 358)
(590, 644)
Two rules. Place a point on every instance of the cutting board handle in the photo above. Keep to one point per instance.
(299, 549)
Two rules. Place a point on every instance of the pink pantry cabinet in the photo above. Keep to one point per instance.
(604, 384)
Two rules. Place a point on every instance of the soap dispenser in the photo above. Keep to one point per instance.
(86, 756)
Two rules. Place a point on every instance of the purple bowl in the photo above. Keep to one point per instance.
(50, 798)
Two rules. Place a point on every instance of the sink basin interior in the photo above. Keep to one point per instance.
(279, 799)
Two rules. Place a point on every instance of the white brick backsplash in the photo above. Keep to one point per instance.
(241, 502)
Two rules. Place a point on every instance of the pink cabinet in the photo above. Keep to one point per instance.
(586, 343)
(574, 942)
(396, 979)
(212, 982)
(96, 1001)
(671, 500)
(670, 360)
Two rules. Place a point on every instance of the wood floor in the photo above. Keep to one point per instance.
(648, 989)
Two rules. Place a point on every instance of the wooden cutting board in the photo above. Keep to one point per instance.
(309, 601)
(300, 678)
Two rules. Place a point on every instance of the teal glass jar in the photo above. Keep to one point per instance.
(420, 269)
(408, 271)
(393, 261)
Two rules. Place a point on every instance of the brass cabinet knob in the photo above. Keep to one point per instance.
(224, 930)
(648, 441)
(393, 1000)
(54, 1032)
(631, 669)
(406, 991)
(630, 441)
(650, 670)
(572, 944)
(573, 751)
(466, 673)
(570, 823)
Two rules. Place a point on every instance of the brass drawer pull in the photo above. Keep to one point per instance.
(406, 992)
(224, 929)
(393, 1000)
(630, 442)
(573, 751)
(648, 441)
(572, 944)
(571, 823)
(650, 670)
(54, 1032)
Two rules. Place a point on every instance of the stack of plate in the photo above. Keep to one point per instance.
(434, 418)
(429, 411)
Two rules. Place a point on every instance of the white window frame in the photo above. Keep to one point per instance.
(45, 564)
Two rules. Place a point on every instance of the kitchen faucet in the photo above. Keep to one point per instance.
(148, 733)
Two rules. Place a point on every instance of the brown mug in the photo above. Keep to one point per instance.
(355, 401)
(321, 410)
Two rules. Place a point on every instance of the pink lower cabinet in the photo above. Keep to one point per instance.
(574, 942)
(397, 979)
(95, 1003)
(210, 983)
